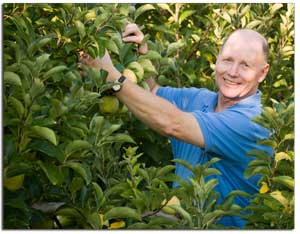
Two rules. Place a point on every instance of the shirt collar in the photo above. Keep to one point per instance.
(252, 100)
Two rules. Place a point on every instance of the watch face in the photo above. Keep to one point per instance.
(116, 87)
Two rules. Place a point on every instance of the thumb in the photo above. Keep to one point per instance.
(133, 39)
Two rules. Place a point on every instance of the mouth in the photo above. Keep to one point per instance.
(231, 82)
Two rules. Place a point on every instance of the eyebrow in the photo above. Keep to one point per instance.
(231, 58)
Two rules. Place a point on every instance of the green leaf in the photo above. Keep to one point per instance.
(275, 7)
(268, 142)
(173, 47)
(37, 88)
(165, 6)
(285, 180)
(48, 149)
(111, 129)
(137, 69)
(94, 220)
(54, 70)
(227, 202)
(44, 132)
(142, 9)
(18, 106)
(121, 212)
(251, 171)
(120, 137)
(185, 15)
(101, 18)
(244, 11)
(127, 54)
(209, 185)
(147, 66)
(185, 164)
(17, 168)
(210, 162)
(239, 193)
(142, 226)
(52, 172)
(289, 136)
(282, 156)
(164, 170)
(75, 185)
(99, 196)
(254, 24)
(81, 169)
(11, 78)
(37, 44)
(151, 54)
(258, 162)
(80, 28)
(112, 46)
(77, 145)
(280, 83)
(73, 212)
(212, 216)
(43, 41)
(184, 214)
(280, 197)
(211, 171)
(260, 154)
(41, 60)
(160, 220)
(90, 15)
(97, 124)
(226, 17)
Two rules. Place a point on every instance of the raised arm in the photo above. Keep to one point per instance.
(156, 112)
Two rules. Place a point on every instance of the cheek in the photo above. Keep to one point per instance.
(220, 68)
(249, 76)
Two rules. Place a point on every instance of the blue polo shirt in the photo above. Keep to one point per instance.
(228, 135)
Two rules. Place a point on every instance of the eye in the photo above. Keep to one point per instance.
(244, 64)
(227, 60)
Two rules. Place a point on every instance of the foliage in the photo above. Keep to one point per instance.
(87, 169)
(274, 206)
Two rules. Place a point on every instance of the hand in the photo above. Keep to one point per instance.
(104, 63)
(86, 59)
(133, 34)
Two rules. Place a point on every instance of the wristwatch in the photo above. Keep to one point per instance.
(118, 84)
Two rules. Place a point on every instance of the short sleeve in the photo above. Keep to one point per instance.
(182, 98)
(229, 133)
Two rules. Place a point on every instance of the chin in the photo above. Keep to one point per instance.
(230, 94)
(232, 97)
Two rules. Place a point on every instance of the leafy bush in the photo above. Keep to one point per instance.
(68, 163)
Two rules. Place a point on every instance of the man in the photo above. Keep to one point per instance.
(203, 124)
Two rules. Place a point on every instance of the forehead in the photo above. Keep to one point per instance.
(243, 47)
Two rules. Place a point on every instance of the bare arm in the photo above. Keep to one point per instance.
(152, 85)
(159, 114)
(154, 111)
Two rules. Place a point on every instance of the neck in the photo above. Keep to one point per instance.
(225, 102)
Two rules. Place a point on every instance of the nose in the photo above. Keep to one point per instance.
(233, 70)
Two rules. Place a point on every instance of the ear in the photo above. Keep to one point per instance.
(264, 73)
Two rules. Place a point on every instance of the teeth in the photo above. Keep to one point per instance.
(230, 82)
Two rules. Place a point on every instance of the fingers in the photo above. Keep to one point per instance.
(83, 56)
(132, 34)
(133, 39)
(143, 49)
(131, 29)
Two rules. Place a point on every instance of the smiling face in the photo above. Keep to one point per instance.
(241, 66)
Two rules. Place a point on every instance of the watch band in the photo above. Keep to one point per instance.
(118, 84)
(121, 79)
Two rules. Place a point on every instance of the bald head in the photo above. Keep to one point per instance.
(249, 36)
